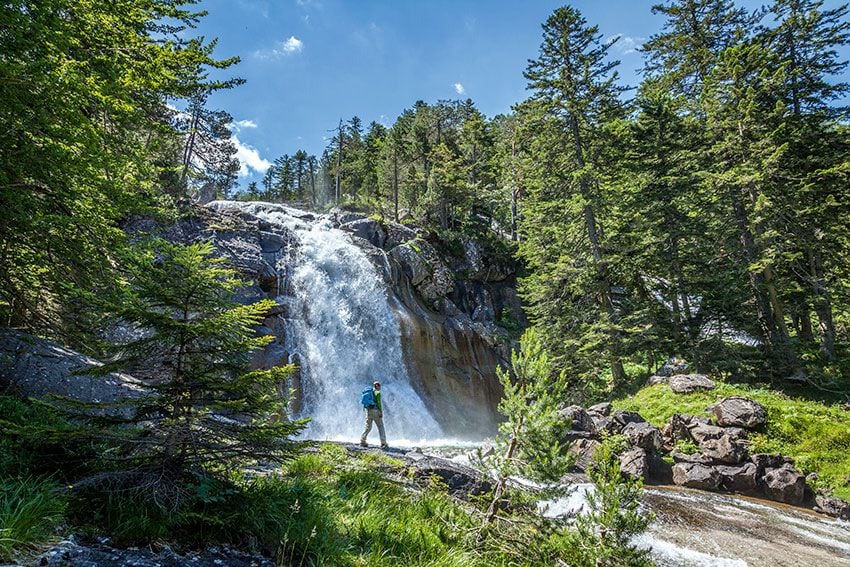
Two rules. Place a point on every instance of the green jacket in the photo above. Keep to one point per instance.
(377, 396)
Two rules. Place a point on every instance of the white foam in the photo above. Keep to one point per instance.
(666, 553)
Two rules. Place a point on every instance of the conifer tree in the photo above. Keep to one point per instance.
(575, 95)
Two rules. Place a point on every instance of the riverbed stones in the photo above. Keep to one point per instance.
(643, 435)
(737, 411)
(689, 383)
(785, 484)
(695, 475)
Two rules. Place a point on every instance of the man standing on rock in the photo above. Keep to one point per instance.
(374, 413)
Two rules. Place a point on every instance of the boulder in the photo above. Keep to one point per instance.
(634, 463)
(676, 430)
(426, 271)
(397, 234)
(656, 379)
(624, 417)
(673, 366)
(785, 484)
(603, 409)
(460, 480)
(578, 418)
(737, 411)
(737, 478)
(367, 229)
(697, 458)
(605, 425)
(695, 475)
(832, 506)
(764, 461)
(689, 383)
(718, 444)
(660, 471)
(584, 450)
(643, 435)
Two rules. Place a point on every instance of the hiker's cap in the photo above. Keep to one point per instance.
(376, 383)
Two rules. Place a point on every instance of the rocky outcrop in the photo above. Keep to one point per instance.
(35, 367)
(721, 462)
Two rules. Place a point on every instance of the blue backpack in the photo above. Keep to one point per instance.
(367, 398)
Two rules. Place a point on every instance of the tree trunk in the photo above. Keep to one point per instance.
(338, 184)
(395, 186)
(823, 306)
(617, 371)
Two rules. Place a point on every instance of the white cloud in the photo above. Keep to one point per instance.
(626, 44)
(291, 46)
(249, 158)
(246, 124)
(459, 88)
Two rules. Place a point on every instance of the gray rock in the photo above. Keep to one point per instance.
(764, 461)
(603, 409)
(673, 366)
(656, 379)
(39, 368)
(578, 418)
(624, 417)
(697, 458)
(832, 506)
(737, 411)
(785, 484)
(426, 271)
(689, 383)
(72, 552)
(717, 443)
(634, 463)
(368, 229)
(460, 480)
(660, 471)
(584, 450)
(737, 478)
(603, 425)
(397, 234)
(695, 475)
(677, 429)
(643, 435)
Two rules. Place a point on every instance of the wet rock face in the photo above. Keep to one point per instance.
(688, 383)
(737, 411)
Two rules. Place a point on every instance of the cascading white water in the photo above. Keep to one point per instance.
(345, 332)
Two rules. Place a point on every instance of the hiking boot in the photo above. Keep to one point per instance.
(385, 446)
(364, 444)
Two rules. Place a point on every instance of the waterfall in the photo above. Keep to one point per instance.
(342, 327)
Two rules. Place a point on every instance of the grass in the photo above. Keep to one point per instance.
(815, 434)
(30, 510)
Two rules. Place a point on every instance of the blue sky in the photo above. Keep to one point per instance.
(309, 63)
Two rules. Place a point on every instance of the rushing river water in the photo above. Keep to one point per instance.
(703, 529)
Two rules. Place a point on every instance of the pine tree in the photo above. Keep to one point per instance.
(570, 291)
(203, 415)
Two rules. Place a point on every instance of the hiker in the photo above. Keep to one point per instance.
(371, 399)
